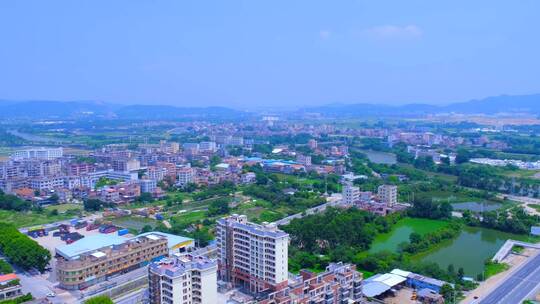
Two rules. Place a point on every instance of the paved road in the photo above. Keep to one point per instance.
(517, 286)
(333, 200)
(136, 297)
(525, 200)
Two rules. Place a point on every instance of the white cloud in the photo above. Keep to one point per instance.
(394, 32)
(324, 34)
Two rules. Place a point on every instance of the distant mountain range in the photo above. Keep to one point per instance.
(529, 104)
(44, 109)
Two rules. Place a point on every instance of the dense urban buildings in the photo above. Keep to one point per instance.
(340, 283)
(38, 153)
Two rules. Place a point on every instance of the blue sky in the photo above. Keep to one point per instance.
(268, 53)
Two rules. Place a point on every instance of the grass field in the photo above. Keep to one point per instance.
(26, 219)
(535, 206)
(188, 218)
(494, 268)
(260, 211)
(64, 207)
(134, 222)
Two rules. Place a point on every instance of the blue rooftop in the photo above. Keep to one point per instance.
(89, 243)
(95, 242)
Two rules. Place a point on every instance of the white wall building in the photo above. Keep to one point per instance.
(207, 146)
(41, 153)
(350, 193)
(148, 185)
(183, 280)
(387, 194)
(250, 255)
(184, 176)
(303, 159)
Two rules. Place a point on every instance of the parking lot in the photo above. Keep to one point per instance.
(41, 285)
(50, 242)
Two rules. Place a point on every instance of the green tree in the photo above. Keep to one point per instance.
(99, 300)
(146, 228)
(447, 292)
(462, 156)
(94, 204)
(54, 199)
(20, 250)
(415, 238)
(145, 197)
(219, 206)
(5, 267)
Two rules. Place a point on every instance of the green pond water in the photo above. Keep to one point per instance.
(401, 232)
(469, 250)
(380, 157)
(476, 206)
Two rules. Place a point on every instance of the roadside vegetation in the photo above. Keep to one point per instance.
(22, 251)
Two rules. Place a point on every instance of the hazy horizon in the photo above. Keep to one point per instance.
(243, 54)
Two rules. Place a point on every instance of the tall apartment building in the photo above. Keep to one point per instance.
(184, 176)
(95, 258)
(156, 173)
(340, 283)
(208, 146)
(148, 185)
(350, 193)
(387, 194)
(303, 159)
(37, 168)
(169, 147)
(47, 183)
(183, 279)
(40, 153)
(125, 165)
(236, 141)
(250, 255)
(80, 168)
(191, 148)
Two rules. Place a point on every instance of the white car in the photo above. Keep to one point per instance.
(51, 295)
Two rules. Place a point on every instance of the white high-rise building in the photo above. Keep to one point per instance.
(184, 176)
(148, 185)
(207, 146)
(40, 153)
(350, 193)
(183, 280)
(250, 255)
(303, 159)
(387, 194)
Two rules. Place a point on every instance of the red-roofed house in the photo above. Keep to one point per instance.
(9, 286)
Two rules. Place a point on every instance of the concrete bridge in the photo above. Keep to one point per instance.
(507, 247)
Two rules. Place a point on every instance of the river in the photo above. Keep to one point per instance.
(36, 138)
